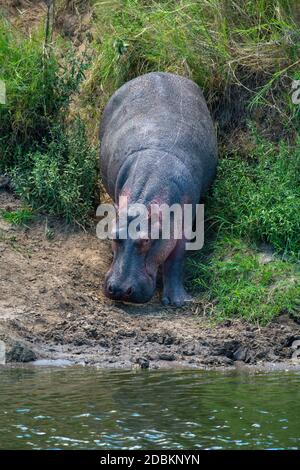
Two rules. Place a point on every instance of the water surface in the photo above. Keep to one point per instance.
(84, 408)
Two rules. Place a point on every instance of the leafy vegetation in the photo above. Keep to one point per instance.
(19, 217)
(60, 179)
(51, 162)
(249, 266)
(236, 280)
(259, 198)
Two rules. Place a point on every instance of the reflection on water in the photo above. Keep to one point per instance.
(83, 408)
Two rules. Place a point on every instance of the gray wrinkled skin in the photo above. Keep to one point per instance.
(158, 145)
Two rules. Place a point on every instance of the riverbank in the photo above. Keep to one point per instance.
(52, 307)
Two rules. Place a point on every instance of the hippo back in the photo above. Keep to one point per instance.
(158, 111)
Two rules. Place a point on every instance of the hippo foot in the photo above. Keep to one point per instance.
(175, 296)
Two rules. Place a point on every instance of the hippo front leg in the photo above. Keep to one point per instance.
(174, 292)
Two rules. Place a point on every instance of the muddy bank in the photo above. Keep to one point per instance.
(52, 307)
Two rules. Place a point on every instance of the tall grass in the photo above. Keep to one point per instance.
(236, 51)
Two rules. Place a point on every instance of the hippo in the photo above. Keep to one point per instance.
(158, 145)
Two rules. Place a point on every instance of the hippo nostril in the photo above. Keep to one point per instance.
(118, 293)
(129, 291)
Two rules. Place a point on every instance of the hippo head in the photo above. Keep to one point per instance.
(133, 272)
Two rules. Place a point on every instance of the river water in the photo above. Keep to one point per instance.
(85, 408)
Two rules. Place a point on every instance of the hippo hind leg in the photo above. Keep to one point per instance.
(174, 293)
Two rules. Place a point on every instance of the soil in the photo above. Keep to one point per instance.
(71, 20)
(24, 15)
(52, 307)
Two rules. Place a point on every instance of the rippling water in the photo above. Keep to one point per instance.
(83, 408)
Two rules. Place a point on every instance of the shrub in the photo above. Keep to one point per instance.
(52, 165)
(39, 86)
(60, 179)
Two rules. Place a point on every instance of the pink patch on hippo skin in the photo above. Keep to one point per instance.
(123, 200)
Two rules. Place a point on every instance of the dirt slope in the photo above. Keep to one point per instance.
(52, 306)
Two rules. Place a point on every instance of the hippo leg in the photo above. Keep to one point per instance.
(174, 292)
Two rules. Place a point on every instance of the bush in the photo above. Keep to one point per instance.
(39, 86)
(62, 178)
(52, 165)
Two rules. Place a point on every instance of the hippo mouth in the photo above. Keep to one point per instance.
(136, 296)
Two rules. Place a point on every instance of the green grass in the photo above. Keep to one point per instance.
(196, 38)
(258, 198)
(19, 217)
(254, 201)
(39, 87)
(243, 55)
(235, 281)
